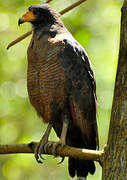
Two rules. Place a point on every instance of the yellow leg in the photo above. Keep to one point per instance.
(62, 141)
(41, 146)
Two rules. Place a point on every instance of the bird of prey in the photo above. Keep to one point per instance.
(61, 86)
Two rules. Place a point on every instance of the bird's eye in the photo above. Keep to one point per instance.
(35, 12)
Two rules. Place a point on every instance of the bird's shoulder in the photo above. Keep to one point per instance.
(74, 55)
(58, 39)
(78, 70)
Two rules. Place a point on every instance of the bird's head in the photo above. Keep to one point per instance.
(40, 15)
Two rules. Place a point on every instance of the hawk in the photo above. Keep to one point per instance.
(61, 86)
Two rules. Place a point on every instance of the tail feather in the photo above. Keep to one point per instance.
(80, 167)
(71, 166)
(76, 166)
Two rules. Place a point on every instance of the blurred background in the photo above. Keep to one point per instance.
(96, 25)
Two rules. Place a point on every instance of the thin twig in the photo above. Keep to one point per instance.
(30, 32)
(19, 39)
(47, 1)
(72, 6)
(65, 151)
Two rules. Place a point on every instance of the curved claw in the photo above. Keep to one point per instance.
(41, 157)
(37, 159)
(55, 145)
(40, 147)
(61, 160)
(47, 145)
(61, 143)
(38, 152)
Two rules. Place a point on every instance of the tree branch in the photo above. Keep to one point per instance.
(71, 6)
(30, 32)
(47, 1)
(65, 151)
(19, 39)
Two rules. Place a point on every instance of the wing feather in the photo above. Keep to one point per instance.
(81, 88)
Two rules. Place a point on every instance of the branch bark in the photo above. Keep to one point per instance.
(19, 39)
(72, 6)
(65, 151)
(30, 32)
(115, 157)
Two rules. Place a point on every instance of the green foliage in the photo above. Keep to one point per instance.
(96, 25)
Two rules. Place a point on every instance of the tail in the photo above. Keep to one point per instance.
(78, 167)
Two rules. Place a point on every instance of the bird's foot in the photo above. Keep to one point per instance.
(41, 149)
(61, 143)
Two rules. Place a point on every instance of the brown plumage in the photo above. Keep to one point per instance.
(61, 86)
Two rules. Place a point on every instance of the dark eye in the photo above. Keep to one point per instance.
(35, 12)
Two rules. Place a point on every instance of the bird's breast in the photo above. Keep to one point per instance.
(45, 78)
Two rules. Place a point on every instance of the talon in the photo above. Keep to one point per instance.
(41, 157)
(40, 162)
(40, 150)
(48, 144)
(37, 158)
(54, 149)
(61, 160)
(61, 143)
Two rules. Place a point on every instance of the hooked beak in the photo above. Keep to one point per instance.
(21, 21)
(27, 17)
